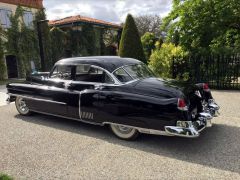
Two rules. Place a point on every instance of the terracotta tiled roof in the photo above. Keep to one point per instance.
(73, 19)
(28, 3)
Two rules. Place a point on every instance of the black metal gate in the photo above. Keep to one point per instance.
(220, 71)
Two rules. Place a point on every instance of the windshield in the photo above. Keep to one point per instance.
(131, 72)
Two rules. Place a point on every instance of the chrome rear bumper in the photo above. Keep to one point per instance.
(190, 129)
(211, 107)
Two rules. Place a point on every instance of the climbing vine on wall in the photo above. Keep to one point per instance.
(58, 43)
(22, 42)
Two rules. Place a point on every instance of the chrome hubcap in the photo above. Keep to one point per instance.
(124, 129)
(22, 106)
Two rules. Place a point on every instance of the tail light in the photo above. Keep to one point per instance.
(182, 105)
(206, 87)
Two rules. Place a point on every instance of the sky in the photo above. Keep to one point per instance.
(108, 10)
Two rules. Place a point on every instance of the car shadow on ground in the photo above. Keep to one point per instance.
(218, 147)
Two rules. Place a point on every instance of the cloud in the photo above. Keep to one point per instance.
(108, 10)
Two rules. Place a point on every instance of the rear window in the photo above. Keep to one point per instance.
(62, 72)
(89, 73)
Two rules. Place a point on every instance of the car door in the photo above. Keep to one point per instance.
(88, 81)
(53, 97)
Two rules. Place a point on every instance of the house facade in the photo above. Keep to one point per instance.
(104, 31)
(8, 7)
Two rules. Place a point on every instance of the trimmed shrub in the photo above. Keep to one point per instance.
(130, 44)
(161, 59)
(148, 43)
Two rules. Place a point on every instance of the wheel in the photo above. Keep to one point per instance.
(124, 132)
(22, 106)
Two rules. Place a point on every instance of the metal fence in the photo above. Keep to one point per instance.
(220, 71)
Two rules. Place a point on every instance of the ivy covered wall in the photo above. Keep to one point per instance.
(2, 64)
(22, 42)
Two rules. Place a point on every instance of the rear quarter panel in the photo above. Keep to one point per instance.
(124, 106)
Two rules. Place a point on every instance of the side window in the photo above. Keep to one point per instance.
(88, 73)
(5, 18)
(62, 72)
(122, 76)
(28, 19)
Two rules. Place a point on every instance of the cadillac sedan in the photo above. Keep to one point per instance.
(121, 93)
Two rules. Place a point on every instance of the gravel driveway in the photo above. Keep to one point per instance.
(44, 147)
(3, 95)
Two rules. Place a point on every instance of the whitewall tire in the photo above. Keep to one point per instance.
(124, 132)
(22, 106)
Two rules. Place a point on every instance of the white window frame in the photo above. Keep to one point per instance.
(6, 16)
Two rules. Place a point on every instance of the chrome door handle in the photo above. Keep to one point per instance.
(98, 87)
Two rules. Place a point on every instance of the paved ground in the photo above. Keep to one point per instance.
(43, 147)
(3, 95)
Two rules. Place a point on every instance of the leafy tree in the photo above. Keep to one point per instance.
(176, 38)
(148, 42)
(202, 24)
(149, 23)
(161, 59)
(130, 43)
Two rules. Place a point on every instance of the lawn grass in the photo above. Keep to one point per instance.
(5, 177)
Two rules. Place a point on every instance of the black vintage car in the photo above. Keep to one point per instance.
(121, 93)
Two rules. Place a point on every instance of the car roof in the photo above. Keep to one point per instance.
(110, 63)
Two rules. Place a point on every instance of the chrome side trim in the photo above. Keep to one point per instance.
(37, 99)
(66, 117)
(79, 104)
(142, 130)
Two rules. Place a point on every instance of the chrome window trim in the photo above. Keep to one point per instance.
(125, 66)
(125, 72)
(121, 83)
(111, 74)
(115, 80)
